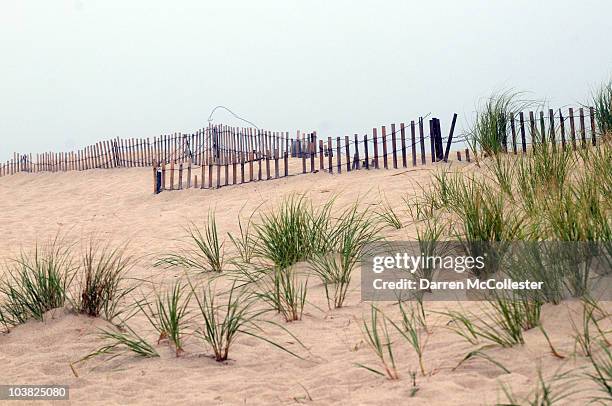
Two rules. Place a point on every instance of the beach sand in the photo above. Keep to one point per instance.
(118, 205)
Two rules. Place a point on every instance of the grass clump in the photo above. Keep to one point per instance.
(547, 392)
(245, 242)
(102, 283)
(410, 329)
(120, 343)
(503, 324)
(378, 339)
(205, 252)
(388, 216)
(223, 323)
(584, 336)
(492, 119)
(602, 100)
(293, 232)
(349, 238)
(428, 238)
(602, 374)
(36, 282)
(283, 290)
(486, 225)
(169, 315)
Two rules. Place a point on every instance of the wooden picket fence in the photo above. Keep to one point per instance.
(553, 128)
(144, 152)
(396, 148)
(220, 155)
(403, 146)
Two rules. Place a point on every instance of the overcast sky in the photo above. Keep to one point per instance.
(78, 71)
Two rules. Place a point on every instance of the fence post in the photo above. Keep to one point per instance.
(312, 149)
(367, 158)
(572, 128)
(180, 174)
(286, 162)
(582, 128)
(593, 136)
(403, 142)
(432, 139)
(523, 141)
(422, 136)
(413, 142)
(450, 137)
(338, 159)
(562, 125)
(394, 146)
(551, 123)
(384, 143)
(375, 139)
(357, 161)
(532, 127)
(542, 128)
(513, 129)
(189, 173)
(330, 156)
(348, 157)
(321, 156)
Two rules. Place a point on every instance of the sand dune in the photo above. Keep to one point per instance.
(118, 205)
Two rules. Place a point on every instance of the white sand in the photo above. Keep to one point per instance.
(119, 204)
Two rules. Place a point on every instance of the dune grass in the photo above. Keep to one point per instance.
(376, 334)
(223, 323)
(501, 322)
(293, 232)
(204, 251)
(488, 130)
(388, 215)
(547, 391)
(36, 282)
(602, 101)
(282, 290)
(348, 239)
(601, 374)
(245, 241)
(411, 330)
(169, 314)
(118, 343)
(102, 285)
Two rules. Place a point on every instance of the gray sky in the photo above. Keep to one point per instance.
(77, 71)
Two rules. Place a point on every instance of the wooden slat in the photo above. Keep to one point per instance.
(523, 140)
(384, 145)
(375, 140)
(330, 155)
(357, 162)
(339, 155)
(513, 129)
(403, 142)
(422, 136)
(432, 140)
(593, 128)
(348, 156)
(321, 155)
(582, 128)
(551, 124)
(562, 125)
(572, 128)
(413, 142)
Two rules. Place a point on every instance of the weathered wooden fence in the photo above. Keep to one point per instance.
(569, 130)
(393, 147)
(139, 152)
